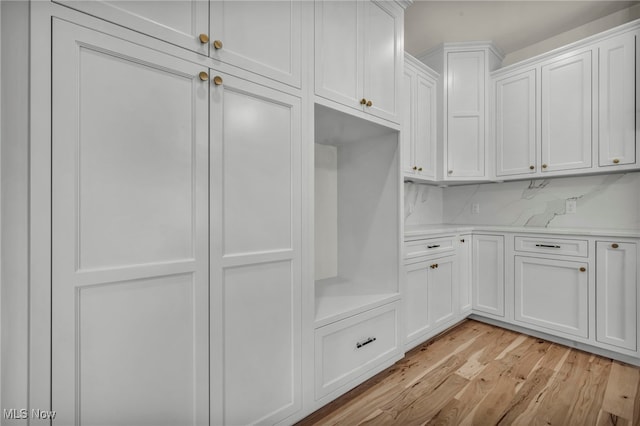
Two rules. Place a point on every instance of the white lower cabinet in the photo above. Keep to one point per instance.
(617, 294)
(488, 274)
(552, 294)
(430, 297)
(465, 267)
(347, 349)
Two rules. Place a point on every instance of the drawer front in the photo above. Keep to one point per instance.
(351, 347)
(552, 245)
(428, 247)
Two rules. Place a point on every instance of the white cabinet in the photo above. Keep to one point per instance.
(488, 274)
(358, 55)
(617, 294)
(515, 123)
(566, 112)
(130, 285)
(465, 262)
(419, 126)
(552, 294)
(263, 37)
(430, 297)
(255, 252)
(617, 101)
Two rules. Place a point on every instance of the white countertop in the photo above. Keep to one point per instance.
(413, 231)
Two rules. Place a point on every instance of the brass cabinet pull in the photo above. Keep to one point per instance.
(415, 167)
(204, 38)
(419, 169)
(582, 269)
(217, 80)
(616, 161)
(217, 44)
(363, 101)
(531, 167)
(203, 76)
(544, 166)
(614, 245)
(369, 103)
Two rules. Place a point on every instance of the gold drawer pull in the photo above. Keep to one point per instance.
(616, 161)
(217, 44)
(614, 245)
(217, 80)
(204, 38)
(582, 269)
(203, 76)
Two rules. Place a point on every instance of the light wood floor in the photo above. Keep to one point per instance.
(477, 374)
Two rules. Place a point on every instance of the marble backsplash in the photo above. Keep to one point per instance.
(603, 202)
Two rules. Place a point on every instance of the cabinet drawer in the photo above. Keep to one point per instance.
(348, 348)
(428, 247)
(552, 245)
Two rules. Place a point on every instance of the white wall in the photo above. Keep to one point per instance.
(423, 204)
(576, 34)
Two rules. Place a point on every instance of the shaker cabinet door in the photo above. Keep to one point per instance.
(180, 22)
(130, 285)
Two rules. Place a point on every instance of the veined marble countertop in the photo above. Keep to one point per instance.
(413, 231)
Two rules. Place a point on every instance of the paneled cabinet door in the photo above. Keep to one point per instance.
(383, 24)
(130, 285)
(179, 22)
(430, 297)
(515, 124)
(465, 125)
(488, 274)
(259, 36)
(255, 252)
(358, 55)
(465, 259)
(407, 133)
(552, 294)
(567, 113)
(617, 112)
(616, 294)
(425, 127)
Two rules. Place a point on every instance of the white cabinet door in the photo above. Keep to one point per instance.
(465, 258)
(566, 113)
(617, 101)
(383, 27)
(425, 127)
(260, 36)
(255, 253)
(516, 124)
(130, 285)
(616, 294)
(441, 303)
(488, 274)
(407, 132)
(465, 126)
(416, 301)
(552, 294)
(179, 22)
(339, 65)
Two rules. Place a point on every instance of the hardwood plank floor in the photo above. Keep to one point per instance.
(478, 374)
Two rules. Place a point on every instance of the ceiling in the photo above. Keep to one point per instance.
(511, 25)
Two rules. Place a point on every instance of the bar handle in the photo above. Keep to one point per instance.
(547, 246)
(434, 246)
(366, 342)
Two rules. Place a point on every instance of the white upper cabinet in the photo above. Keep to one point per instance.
(617, 101)
(259, 36)
(263, 37)
(358, 55)
(419, 121)
(515, 124)
(180, 22)
(566, 112)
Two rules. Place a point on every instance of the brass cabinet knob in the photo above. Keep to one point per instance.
(532, 167)
(616, 161)
(415, 167)
(203, 76)
(363, 101)
(614, 245)
(544, 166)
(217, 80)
(204, 38)
(582, 269)
(369, 103)
(217, 44)
(419, 169)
